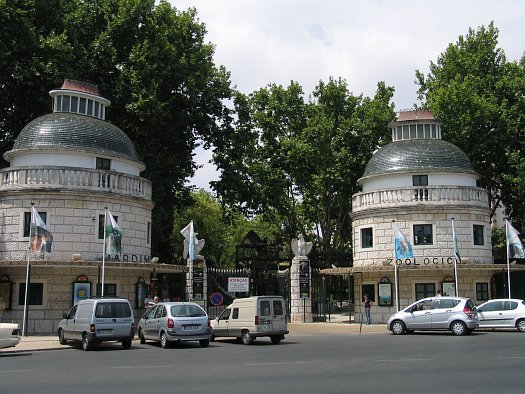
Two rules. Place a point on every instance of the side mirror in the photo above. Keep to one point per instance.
(64, 316)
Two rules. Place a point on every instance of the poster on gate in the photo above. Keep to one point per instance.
(238, 284)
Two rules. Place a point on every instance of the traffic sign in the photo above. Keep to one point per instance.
(216, 298)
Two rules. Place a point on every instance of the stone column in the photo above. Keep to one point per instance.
(301, 300)
(195, 278)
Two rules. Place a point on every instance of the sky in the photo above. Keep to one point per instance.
(264, 42)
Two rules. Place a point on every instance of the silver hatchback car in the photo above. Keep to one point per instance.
(502, 313)
(171, 322)
(454, 314)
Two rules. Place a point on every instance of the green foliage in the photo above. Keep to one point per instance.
(222, 232)
(297, 162)
(149, 59)
(479, 97)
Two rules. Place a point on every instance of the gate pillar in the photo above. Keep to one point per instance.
(301, 290)
(197, 281)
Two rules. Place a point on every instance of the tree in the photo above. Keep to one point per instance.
(222, 232)
(297, 162)
(479, 97)
(149, 59)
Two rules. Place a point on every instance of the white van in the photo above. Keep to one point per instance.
(249, 318)
(96, 320)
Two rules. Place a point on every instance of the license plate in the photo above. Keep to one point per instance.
(191, 327)
(105, 332)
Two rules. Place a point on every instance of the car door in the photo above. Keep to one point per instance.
(149, 323)
(69, 323)
(420, 316)
(491, 314)
(220, 328)
(442, 311)
(278, 317)
(158, 321)
(509, 313)
(265, 314)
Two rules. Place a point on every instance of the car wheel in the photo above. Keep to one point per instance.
(246, 338)
(458, 328)
(126, 343)
(204, 342)
(86, 344)
(61, 338)
(141, 336)
(276, 339)
(398, 327)
(164, 343)
(520, 325)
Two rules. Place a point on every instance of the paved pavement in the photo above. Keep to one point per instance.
(337, 324)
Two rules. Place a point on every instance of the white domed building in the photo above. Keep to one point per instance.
(72, 164)
(424, 186)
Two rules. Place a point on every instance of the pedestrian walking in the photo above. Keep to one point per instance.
(368, 304)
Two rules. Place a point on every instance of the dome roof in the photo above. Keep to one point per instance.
(418, 155)
(74, 133)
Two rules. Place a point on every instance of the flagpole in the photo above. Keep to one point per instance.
(24, 319)
(454, 239)
(104, 251)
(508, 260)
(396, 284)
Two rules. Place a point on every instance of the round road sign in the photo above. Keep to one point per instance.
(216, 298)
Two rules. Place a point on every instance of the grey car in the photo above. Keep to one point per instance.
(171, 322)
(502, 313)
(454, 314)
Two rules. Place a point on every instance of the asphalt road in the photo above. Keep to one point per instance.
(305, 362)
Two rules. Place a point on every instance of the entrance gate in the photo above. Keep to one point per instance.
(269, 283)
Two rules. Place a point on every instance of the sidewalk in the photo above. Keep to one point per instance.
(337, 324)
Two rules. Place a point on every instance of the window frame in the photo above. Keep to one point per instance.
(482, 291)
(429, 290)
(478, 240)
(420, 180)
(366, 237)
(415, 235)
(26, 222)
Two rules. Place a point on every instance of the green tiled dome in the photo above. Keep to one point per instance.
(418, 155)
(76, 133)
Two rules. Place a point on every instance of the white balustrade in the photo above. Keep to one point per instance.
(416, 195)
(74, 178)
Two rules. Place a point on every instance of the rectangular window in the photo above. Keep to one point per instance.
(36, 294)
(413, 131)
(265, 308)
(97, 106)
(59, 103)
(235, 314)
(420, 132)
(110, 290)
(65, 104)
(90, 107)
(423, 234)
(434, 132)
(148, 234)
(82, 105)
(370, 290)
(74, 104)
(27, 221)
(277, 308)
(367, 239)
(406, 132)
(103, 164)
(427, 131)
(478, 234)
(424, 290)
(420, 180)
(101, 223)
(482, 291)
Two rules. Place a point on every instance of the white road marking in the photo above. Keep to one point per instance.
(405, 359)
(290, 363)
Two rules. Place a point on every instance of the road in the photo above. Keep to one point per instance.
(325, 361)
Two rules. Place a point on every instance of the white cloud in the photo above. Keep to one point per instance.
(276, 41)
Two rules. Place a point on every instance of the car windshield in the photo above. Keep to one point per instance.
(187, 311)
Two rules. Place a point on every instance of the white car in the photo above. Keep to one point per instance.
(502, 313)
(9, 335)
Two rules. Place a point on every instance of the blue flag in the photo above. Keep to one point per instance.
(514, 246)
(402, 245)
